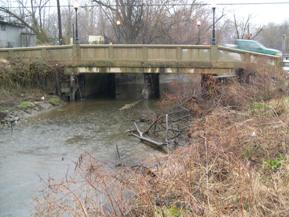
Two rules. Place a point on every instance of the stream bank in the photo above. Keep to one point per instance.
(17, 105)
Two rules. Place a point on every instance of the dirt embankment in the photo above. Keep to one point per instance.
(24, 88)
(16, 105)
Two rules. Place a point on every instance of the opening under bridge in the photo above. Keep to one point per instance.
(82, 59)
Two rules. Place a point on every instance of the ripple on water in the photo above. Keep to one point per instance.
(50, 143)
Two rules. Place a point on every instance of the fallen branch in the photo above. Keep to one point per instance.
(151, 142)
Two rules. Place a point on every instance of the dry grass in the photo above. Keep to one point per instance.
(16, 73)
(236, 165)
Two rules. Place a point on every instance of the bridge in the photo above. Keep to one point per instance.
(143, 58)
(147, 59)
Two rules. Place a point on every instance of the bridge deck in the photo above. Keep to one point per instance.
(142, 58)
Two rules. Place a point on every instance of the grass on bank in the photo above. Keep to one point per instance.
(24, 105)
(54, 100)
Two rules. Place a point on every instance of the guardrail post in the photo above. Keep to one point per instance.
(144, 54)
(76, 54)
(10, 53)
(214, 55)
(44, 54)
(179, 54)
(110, 52)
(247, 59)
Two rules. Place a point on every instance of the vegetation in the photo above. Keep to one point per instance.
(236, 164)
(25, 86)
(274, 164)
(55, 100)
(24, 105)
(16, 73)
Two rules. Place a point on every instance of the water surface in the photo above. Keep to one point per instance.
(48, 144)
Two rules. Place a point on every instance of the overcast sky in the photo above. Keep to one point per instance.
(262, 14)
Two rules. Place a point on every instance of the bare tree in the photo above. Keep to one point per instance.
(272, 35)
(244, 29)
(150, 21)
(31, 14)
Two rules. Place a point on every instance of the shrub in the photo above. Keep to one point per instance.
(17, 73)
(24, 105)
(259, 108)
(220, 174)
(55, 100)
(274, 164)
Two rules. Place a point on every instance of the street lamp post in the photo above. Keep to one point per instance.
(60, 38)
(199, 32)
(214, 25)
(118, 23)
(76, 6)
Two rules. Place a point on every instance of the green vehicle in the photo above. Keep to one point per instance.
(254, 46)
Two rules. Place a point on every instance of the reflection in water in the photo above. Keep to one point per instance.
(48, 144)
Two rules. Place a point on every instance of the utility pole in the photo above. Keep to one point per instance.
(76, 6)
(60, 39)
(213, 42)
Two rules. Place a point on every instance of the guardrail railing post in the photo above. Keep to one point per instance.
(44, 54)
(76, 54)
(110, 53)
(10, 53)
(179, 54)
(214, 55)
(144, 54)
(247, 58)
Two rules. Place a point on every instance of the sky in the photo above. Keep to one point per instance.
(261, 14)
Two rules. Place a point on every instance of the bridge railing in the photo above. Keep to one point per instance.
(247, 57)
(187, 56)
(144, 55)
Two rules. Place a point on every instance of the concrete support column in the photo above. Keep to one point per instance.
(151, 89)
(73, 88)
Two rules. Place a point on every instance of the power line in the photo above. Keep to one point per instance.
(158, 4)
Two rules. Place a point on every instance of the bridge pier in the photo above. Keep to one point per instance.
(151, 89)
(74, 88)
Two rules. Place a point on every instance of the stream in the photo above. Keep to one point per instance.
(47, 145)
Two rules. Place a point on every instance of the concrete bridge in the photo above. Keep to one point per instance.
(147, 59)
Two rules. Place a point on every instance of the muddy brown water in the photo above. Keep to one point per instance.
(48, 145)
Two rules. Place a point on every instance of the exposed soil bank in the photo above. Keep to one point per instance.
(16, 105)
